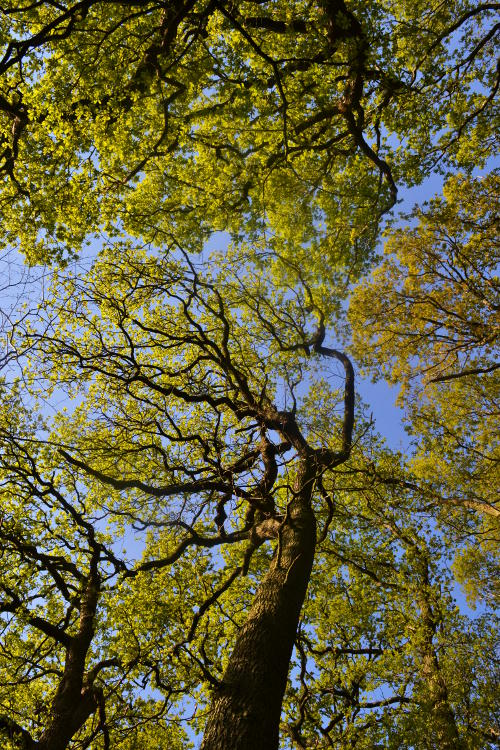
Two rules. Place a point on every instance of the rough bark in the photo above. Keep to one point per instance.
(75, 700)
(246, 708)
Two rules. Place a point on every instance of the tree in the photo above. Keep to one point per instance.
(431, 325)
(215, 386)
(209, 419)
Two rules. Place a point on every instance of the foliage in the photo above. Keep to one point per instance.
(179, 119)
(202, 532)
(427, 319)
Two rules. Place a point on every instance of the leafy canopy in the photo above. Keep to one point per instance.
(183, 118)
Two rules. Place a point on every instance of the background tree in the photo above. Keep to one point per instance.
(57, 675)
(427, 319)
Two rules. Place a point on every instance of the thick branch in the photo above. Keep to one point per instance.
(349, 393)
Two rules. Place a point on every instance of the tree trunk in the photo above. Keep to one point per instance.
(445, 733)
(75, 701)
(246, 708)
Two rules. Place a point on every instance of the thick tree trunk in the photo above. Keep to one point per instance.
(246, 709)
(74, 701)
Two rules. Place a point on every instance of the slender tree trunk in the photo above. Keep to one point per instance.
(445, 733)
(246, 708)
